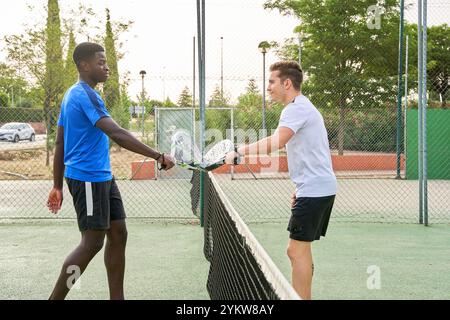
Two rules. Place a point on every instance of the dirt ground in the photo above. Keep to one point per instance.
(30, 164)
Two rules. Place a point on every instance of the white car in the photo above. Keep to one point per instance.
(14, 132)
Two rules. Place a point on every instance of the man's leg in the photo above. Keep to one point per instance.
(91, 244)
(299, 253)
(115, 258)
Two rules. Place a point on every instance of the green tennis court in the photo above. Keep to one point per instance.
(413, 261)
(165, 260)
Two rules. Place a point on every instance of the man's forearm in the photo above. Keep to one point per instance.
(126, 140)
(264, 146)
(58, 166)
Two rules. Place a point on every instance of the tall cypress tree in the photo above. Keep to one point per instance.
(54, 68)
(111, 89)
(70, 71)
(112, 86)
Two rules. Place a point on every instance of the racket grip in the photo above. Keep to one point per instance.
(237, 160)
(163, 166)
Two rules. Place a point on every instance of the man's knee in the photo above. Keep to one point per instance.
(294, 254)
(118, 234)
(297, 251)
(93, 244)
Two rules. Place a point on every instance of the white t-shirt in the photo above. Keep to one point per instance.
(308, 151)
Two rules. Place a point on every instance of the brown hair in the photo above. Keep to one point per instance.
(289, 70)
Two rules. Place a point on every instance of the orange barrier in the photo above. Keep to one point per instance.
(367, 162)
(270, 164)
(354, 162)
(141, 170)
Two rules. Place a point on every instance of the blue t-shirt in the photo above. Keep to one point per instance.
(86, 147)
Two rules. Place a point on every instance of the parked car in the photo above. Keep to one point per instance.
(15, 132)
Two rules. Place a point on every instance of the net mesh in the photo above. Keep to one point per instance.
(240, 269)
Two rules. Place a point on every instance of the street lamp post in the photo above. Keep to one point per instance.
(193, 75)
(221, 68)
(143, 73)
(164, 83)
(263, 47)
(300, 50)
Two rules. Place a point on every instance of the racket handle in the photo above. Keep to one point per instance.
(163, 166)
(237, 160)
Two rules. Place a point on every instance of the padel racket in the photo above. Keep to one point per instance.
(187, 155)
(184, 150)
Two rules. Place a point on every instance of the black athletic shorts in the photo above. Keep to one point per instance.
(96, 203)
(310, 217)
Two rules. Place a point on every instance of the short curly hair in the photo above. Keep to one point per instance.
(85, 51)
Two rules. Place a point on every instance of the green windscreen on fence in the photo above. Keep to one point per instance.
(438, 144)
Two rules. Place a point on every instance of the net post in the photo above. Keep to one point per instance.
(232, 139)
(419, 109)
(424, 114)
(157, 144)
(201, 57)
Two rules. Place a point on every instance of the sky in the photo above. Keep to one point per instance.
(161, 38)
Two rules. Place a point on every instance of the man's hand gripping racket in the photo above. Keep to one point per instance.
(186, 154)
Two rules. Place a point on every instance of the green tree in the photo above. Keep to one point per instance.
(249, 109)
(185, 99)
(251, 99)
(218, 98)
(151, 104)
(438, 65)
(25, 104)
(15, 87)
(169, 104)
(36, 96)
(27, 57)
(54, 71)
(111, 88)
(252, 87)
(70, 70)
(348, 64)
(4, 100)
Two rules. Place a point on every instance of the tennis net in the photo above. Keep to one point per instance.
(240, 268)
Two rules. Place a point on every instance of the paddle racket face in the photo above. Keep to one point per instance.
(216, 155)
(187, 155)
(184, 150)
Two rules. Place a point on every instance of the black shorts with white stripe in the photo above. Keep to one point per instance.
(96, 204)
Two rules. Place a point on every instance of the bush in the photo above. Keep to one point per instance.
(24, 104)
(370, 130)
(4, 100)
(367, 130)
(217, 119)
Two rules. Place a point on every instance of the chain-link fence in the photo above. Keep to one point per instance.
(350, 61)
